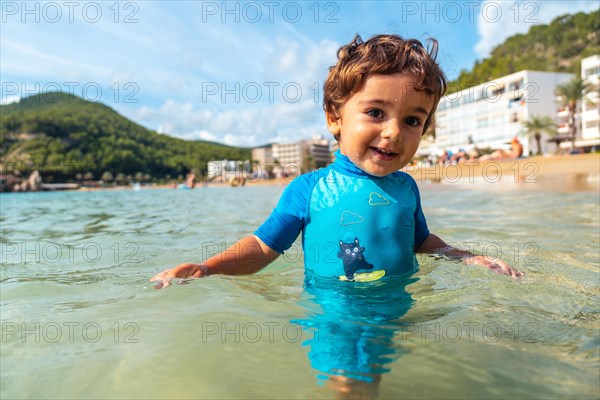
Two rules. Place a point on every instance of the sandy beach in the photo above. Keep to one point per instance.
(524, 168)
(553, 173)
(556, 173)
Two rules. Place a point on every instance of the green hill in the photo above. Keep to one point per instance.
(62, 135)
(558, 47)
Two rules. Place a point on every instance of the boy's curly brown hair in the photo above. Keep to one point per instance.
(386, 55)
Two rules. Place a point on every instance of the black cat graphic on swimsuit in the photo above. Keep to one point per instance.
(352, 258)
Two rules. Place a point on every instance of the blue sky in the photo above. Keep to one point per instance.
(240, 73)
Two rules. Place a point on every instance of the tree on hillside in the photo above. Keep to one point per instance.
(107, 176)
(537, 125)
(569, 94)
(558, 46)
(90, 137)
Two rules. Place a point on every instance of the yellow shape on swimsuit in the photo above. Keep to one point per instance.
(365, 276)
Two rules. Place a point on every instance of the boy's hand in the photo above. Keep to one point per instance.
(495, 264)
(186, 270)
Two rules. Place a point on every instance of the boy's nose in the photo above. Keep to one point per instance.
(392, 132)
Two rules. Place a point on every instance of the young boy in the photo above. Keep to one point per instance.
(360, 218)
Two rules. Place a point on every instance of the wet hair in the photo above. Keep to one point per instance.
(386, 55)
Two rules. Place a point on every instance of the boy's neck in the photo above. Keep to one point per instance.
(343, 163)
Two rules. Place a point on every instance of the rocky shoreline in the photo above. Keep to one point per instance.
(17, 183)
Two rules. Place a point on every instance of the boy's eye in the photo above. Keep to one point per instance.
(375, 113)
(412, 121)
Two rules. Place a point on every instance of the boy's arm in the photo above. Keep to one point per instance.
(247, 256)
(433, 244)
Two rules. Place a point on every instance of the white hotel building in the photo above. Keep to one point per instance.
(491, 114)
(295, 156)
(588, 117)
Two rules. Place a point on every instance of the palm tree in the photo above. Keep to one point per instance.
(570, 93)
(536, 125)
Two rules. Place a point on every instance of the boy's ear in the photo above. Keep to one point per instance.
(333, 123)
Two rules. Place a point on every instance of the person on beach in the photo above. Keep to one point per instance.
(190, 181)
(516, 151)
(360, 217)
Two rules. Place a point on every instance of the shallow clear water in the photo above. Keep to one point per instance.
(80, 320)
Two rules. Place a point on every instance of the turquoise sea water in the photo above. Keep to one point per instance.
(80, 320)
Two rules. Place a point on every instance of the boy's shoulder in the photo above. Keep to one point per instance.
(403, 175)
(312, 177)
(297, 192)
(407, 178)
(309, 179)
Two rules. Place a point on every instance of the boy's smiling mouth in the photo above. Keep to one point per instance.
(383, 154)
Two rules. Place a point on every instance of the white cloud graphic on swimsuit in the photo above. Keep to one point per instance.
(349, 218)
(375, 199)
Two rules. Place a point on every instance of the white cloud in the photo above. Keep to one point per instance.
(8, 99)
(253, 126)
(292, 111)
(304, 63)
(18, 58)
(499, 20)
(202, 134)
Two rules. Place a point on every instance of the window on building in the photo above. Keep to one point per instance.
(591, 71)
(497, 91)
(515, 85)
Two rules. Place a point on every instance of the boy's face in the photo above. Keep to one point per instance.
(380, 126)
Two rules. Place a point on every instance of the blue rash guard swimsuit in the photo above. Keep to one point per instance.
(354, 226)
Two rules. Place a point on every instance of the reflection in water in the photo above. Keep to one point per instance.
(353, 327)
